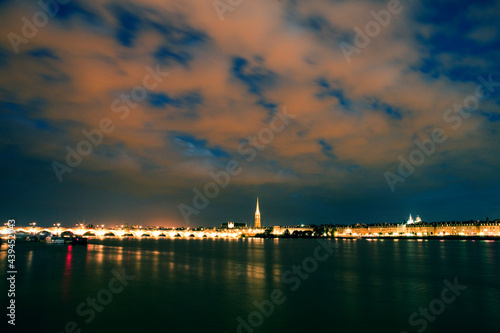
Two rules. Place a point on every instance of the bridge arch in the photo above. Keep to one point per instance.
(43, 230)
(67, 232)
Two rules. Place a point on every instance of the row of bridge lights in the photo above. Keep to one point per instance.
(81, 225)
(58, 225)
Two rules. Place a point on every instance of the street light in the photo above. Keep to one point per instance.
(33, 224)
(57, 224)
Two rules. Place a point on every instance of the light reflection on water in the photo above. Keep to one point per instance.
(206, 284)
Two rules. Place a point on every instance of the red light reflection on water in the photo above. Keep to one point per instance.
(65, 286)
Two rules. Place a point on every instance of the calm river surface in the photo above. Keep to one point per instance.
(218, 285)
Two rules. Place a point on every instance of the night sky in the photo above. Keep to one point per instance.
(116, 112)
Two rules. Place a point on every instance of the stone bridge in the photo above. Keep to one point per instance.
(119, 232)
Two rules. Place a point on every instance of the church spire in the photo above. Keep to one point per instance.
(257, 215)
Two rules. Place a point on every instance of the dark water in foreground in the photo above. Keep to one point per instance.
(204, 285)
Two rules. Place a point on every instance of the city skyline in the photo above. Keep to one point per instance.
(181, 113)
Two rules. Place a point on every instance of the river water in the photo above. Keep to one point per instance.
(255, 285)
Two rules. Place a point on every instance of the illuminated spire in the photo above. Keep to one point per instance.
(257, 216)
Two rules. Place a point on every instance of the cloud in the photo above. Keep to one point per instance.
(226, 80)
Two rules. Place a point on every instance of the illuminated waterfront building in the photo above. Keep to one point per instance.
(233, 225)
(411, 221)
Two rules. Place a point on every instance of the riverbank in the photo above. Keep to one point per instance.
(447, 237)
